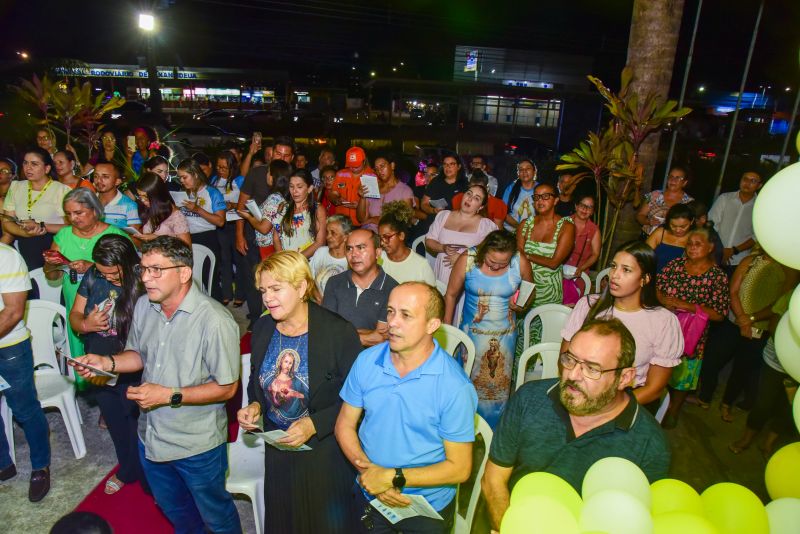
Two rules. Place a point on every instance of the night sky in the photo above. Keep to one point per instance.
(328, 37)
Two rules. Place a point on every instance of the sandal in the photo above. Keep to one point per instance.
(238, 303)
(725, 413)
(737, 449)
(225, 302)
(113, 485)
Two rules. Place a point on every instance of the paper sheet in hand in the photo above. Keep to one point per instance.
(439, 203)
(524, 294)
(370, 181)
(92, 368)
(272, 437)
(419, 506)
(253, 208)
(231, 215)
(3, 384)
(179, 197)
(131, 230)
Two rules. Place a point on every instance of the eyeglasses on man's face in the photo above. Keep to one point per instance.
(543, 196)
(385, 238)
(153, 271)
(590, 370)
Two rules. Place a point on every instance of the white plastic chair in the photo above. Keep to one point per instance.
(662, 408)
(201, 253)
(553, 317)
(598, 280)
(54, 389)
(420, 242)
(8, 426)
(546, 366)
(246, 461)
(450, 337)
(587, 284)
(463, 525)
(49, 290)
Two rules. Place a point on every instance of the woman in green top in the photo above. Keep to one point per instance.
(546, 239)
(76, 242)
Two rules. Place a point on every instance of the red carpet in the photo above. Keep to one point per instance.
(129, 511)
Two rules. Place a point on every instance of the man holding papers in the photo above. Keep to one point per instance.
(344, 192)
(415, 440)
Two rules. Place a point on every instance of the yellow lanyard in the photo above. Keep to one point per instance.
(32, 201)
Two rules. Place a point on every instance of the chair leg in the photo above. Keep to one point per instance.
(68, 408)
(258, 507)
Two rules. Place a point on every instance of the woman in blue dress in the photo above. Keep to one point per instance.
(490, 275)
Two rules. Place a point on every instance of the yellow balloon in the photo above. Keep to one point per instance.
(794, 310)
(787, 347)
(549, 485)
(617, 512)
(538, 514)
(670, 495)
(734, 509)
(682, 523)
(783, 472)
(797, 142)
(775, 211)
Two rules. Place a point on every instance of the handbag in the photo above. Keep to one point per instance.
(693, 324)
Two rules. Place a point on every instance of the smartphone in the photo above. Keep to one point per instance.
(756, 333)
(257, 137)
(131, 143)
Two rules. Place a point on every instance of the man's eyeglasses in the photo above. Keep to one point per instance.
(590, 370)
(385, 238)
(543, 196)
(154, 272)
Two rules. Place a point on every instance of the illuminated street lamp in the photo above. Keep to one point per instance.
(23, 54)
(701, 89)
(147, 22)
(372, 73)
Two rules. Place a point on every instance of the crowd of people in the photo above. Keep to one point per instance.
(342, 313)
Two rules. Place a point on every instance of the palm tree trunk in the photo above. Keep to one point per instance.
(655, 27)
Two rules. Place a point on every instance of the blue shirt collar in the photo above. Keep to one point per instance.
(433, 365)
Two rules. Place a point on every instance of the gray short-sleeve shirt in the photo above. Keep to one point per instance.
(198, 345)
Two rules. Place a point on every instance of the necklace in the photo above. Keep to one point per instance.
(32, 201)
(620, 308)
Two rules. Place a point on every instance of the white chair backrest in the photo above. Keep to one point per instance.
(49, 290)
(245, 378)
(449, 338)
(598, 280)
(418, 246)
(553, 317)
(201, 253)
(587, 284)
(662, 408)
(39, 317)
(442, 287)
(482, 428)
(549, 362)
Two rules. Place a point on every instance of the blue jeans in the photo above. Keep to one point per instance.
(16, 367)
(191, 491)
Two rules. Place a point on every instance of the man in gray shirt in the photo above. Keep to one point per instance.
(187, 346)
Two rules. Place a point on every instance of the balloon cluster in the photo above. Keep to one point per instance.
(617, 499)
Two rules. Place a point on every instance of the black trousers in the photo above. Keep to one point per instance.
(371, 521)
(772, 406)
(230, 258)
(121, 416)
(211, 240)
(725, 343)
(251, 261)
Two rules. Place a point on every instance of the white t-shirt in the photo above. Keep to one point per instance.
(323, 266)
(211, 200)
(14, 278)
(45, 206)
(414, 268)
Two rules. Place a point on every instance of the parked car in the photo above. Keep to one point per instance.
(200, 136)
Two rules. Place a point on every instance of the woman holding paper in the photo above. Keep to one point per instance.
(36, 202)
(490, 275)
(453, 231)
(390, 188)
(157, 210)
(102, 315)
(228, 181)
(301, 354)
(76, 242)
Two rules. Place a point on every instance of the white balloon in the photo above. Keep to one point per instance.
(614, 473)
(776, 217)
(787, 346)
(794, 310)
(615, 512)
(784, 515)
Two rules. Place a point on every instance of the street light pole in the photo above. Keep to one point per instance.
(147, 25)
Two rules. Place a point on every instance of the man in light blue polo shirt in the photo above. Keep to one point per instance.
(419, 415)
(120, 210)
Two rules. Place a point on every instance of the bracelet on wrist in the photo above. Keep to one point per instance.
(113, 363)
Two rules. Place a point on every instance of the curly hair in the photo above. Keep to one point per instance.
(398, 215)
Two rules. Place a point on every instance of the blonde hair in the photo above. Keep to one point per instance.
(288, 266)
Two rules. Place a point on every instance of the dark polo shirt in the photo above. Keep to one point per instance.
(535, 434)
(363, 310)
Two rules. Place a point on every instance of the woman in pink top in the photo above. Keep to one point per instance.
(368, 211)
(587, 242)
(631, 298)
(452, 232)
(158, 211)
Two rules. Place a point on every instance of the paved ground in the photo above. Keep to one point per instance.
(699, 443)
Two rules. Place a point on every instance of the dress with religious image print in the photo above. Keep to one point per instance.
(489, 323)
(284, 379)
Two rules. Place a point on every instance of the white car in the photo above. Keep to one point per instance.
(201, 136)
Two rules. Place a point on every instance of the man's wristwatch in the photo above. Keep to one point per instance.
(177, 398)
(735, 250)
(752, 318)
(399, 480)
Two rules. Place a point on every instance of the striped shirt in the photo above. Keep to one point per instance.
(14, 278)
